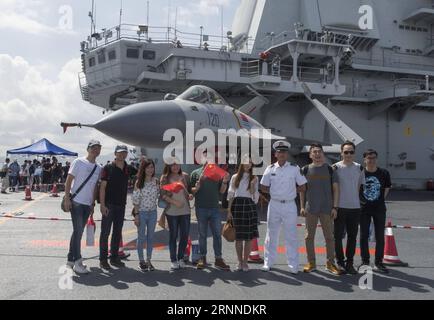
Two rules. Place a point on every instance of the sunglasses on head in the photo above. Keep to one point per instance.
(349, 152)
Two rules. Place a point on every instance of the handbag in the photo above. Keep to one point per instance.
(62, 204)
(162, 222)
(228, 231)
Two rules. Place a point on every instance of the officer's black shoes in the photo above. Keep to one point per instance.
(381, 268)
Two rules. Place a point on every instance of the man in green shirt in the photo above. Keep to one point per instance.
(207, 193)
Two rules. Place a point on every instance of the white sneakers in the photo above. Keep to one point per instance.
(174, 266)
(181, 264)
(80, 268)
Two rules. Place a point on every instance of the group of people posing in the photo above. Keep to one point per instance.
(341, 197)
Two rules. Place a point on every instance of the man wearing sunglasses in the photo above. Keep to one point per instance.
(350, 177)
(372, 197)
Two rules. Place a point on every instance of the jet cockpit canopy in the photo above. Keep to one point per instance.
(202, 94)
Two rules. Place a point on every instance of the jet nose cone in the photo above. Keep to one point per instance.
(143, 124)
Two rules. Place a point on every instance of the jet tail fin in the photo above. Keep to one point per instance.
(342, 130)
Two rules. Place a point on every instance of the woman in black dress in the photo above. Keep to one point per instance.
(243, 196)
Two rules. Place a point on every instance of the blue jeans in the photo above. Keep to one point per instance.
(181, 225)
(212, 217)
(79, 215)
(145, 232)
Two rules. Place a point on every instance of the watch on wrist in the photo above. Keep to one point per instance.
(336, 208)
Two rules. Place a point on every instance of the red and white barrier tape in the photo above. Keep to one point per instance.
(32, 217)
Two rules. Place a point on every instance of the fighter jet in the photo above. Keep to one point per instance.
(144, 124)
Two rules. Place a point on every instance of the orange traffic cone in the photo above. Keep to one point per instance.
(28, 194)
(54, 191)
(254, 256)
(390, 252)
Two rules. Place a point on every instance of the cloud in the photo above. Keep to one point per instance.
(25, 17)
(32, 107)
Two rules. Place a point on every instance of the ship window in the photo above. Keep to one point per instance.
(112, 55)
(133, 53)
(148, 55)
(425, 30)
(92, 62)
(401, 26)
(419, 29)
(407, 27)
(101, 58)
(413, 28)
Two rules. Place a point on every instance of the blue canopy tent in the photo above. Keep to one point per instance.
(43, 147)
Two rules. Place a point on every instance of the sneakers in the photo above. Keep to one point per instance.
(80, 268)
(116, 262)
(103, 264)
(220, 264)
(309, 267)
(174, 266)
(181, 264)
(332, 268)
(239, 267)
(150, 266)
(201, 264)
(70, 264)
(143, 266)
(380, 267)
(349, 268)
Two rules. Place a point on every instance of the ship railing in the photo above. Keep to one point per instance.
(250, 69)
(169, 35)
(253, 68)
(84, 88)
(359, 90)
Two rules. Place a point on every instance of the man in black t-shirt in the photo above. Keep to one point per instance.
(372, 200)
(113, 198)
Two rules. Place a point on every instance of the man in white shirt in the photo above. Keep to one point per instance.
(80, 200)
(280, 180)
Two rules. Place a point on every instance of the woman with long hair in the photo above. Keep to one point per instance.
(145, 197)
(178, 212)
(243, 195)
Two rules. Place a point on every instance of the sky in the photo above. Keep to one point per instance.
(40, 61)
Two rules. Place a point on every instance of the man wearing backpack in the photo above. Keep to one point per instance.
(322, 197)
(113, 198)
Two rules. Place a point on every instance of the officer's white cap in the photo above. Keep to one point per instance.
(281, 145)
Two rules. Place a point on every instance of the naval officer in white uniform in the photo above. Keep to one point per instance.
(280, 180)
